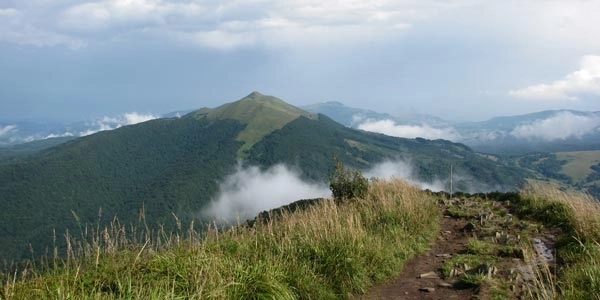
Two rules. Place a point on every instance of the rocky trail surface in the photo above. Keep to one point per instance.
(482, 252)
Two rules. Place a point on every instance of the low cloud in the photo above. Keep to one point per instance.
(110, 123)
(483, 136)
(561, 126)
(389, 127)
(403, 170)
(248, 191)
(585, 81)
(57, 135)
(134, 118)
(5, 130)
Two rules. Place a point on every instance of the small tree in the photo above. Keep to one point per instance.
(347, 184)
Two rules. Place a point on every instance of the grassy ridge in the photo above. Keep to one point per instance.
(328, 251)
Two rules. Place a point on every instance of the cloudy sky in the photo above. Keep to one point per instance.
(460, 60)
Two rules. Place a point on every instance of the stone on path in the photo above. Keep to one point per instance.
(429, 275)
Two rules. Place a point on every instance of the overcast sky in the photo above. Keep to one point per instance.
(459, 60)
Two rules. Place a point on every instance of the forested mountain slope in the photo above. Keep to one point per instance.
(174, 166)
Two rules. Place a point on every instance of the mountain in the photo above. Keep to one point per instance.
(353, 117)
(13, 152)
(546, 131)
(173, 166)
(261, 114)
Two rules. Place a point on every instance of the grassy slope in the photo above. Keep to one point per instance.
(578, 163)
(327, 251)
(262, 114)
(574, 169)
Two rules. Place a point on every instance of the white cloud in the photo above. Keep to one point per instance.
(481, 136)
(402, 170)
(389, 127)
(110, 123)
(134, 118)
(406, 171)
(584, 81)
(7, 129)
(561, 126)
(56, 135)
(248, 191)
(97, 128)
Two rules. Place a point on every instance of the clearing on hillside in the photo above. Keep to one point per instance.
(578, 163)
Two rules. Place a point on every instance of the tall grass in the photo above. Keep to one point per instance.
(543, 283)
(576, 212)
(578, 249)
(327, 251)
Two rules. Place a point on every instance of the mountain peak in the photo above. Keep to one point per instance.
(262, 115)
(254, 94)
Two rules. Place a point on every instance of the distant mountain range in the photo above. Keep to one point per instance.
(547, 131)
(181, 165)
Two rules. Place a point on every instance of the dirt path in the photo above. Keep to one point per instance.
(478, 239)
(409, 285)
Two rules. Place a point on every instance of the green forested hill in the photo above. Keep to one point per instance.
(15, 152)
(174, 165)
(311, 144)
(163, 165)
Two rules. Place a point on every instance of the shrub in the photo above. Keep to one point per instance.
(346, 183)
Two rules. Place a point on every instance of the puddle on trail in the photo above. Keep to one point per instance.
(543, 252)
(543, 256)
